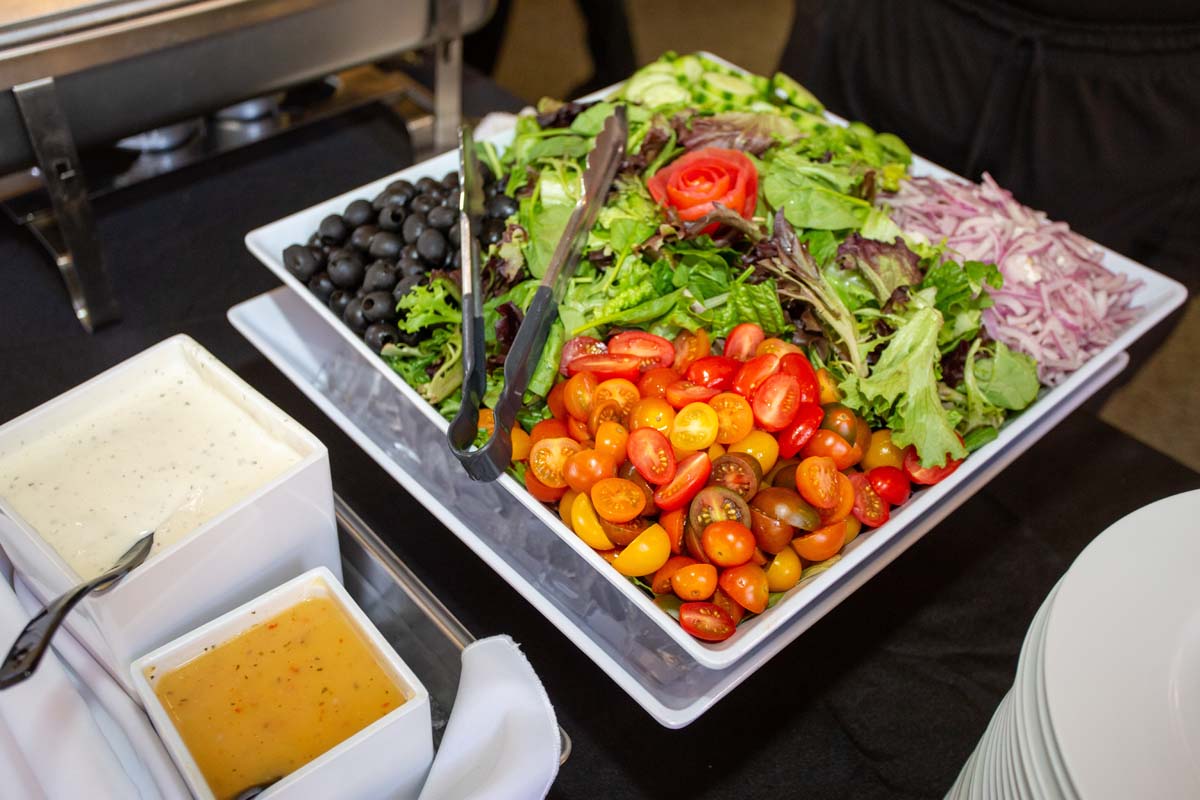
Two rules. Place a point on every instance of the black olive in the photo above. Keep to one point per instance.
(339, 300)
(353, 316)
(360, 292)
(346, 271)
(401, 187)
(380, 334)
(334, 253)
(300, 261)
(381, 276)
(422, 203)
(441, 217)
(410, 253)
(359, 212)
(411, 266)
(485, 174)
(455, 260)
(501, 206)
(414, 226)
(361, 238)
(451, 200)
(493, 231)
(380, 201)
(426, 183)
(321, 286)
(391, 218)
(405, 284)
(432, 247)
(315, 240)
(333, 229)
(492, 189)
(379, 306)
(321, 255)
(386, 245)
(450, 180)
(454, 234)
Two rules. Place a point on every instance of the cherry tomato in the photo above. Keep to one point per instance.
(882, 452)
(754, 372)
(618, 390)
(776, 347)
(578, 429)
(716, 451)
(827, 387)
(622, 533)
(694, 581)
(821, 544)
(748, 587)
(651, 412)
(891, 484)
(695, 427)
(555, 401)
(673, 522)
(717, 504)
(816, 480)
(796, 365)
(540, 491)
(548, 429)
(853, 527)
(564, 505)
(927, 476)
(661, 583)
(520, 444)
(586, 524)
(761, 445)
(629, 472)
(827, 444)
(841, 421)
(770, 534)
(654, 382)
(606, 366)
(579, 346)
(743, 341)
(690, 475)
(737, 472)
(775, 402)
(584, 468)
(706, 621)
(784, 474)
(727, 544)
(786, 506)
(691, 542)
(845, 502)
(784, 570)
(728, 605)
(802, 427)
(869, 507)
(617, 500)
(487, 421)
(689, 347)
(650, 350)
(680, 393)
(607, 412)
(548, 458)
(611, 438)
(735, 418)
(713, 372)
(651, 453)
(644, 555)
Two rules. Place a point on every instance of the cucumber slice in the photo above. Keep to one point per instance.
(668, 93)
(689, 69)
(789, 91)
(728, 87)
(643, 82)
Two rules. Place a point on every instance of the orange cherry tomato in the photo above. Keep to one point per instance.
(578, 430)
(578, 396)
(654, 382)
(548, 429)
(845, 502)
(776, 347)
(487, 421)
(735, 418)
(695, 427)
(583, 469)
(822, 543)
(617, 500)
(743, 341)
(754, 372)
(694, 581)
(548, 458)
(555, 402)
(611, 438)
(607, 411)
(827, 387)
(520, 444)
(661, 582)
(816, 480)
(651, 454)
(651, 412)
(618, 390)
(827, 444)
(882, 452)
(689, 347)
(680, 393)
(747, 586)
(727, 543)
(540, 491)
(673, 522)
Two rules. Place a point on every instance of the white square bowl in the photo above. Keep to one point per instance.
(279, 530)
(388, 758)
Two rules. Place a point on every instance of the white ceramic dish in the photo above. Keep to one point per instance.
(388, 758)
(277, 531)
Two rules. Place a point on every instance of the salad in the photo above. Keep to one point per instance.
(769, 340)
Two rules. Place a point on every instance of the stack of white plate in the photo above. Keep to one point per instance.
(1106, 702)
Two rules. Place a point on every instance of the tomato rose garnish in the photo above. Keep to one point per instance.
(694, 182)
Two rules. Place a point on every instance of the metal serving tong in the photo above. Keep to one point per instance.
(489, 462)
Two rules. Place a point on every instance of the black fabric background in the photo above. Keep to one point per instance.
(884, 697)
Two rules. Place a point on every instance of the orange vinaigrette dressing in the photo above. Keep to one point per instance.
(277, 696)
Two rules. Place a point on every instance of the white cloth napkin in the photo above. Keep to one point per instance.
(501, 742)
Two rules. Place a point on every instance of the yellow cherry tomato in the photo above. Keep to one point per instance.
(716, 451)
(645, 554)
(651, 412)
(695, 427)
(680, 454)
(853, 526)
(611, 438)
(761, 445)
(784, 570)
(882, 452)
(564, 506)
(828, 388)
(521, 444)
(586, 524)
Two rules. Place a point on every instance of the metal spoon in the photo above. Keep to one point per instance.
(31, 644)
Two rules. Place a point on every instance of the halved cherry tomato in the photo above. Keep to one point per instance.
(690, 475)
(622, 533)
(606, 412)
(735, 418)
(689, 347)
(891, 484)
(802, 427)
(629, 472)
(548, 458)
(770, 534)
(618, 390)
(695, 427)
(564, 505)
(651, 453)
(584, 468)
(784, 570)
(717, 504)
(661, 583)
(706, 621)
(827, 387)
(579, 393)
(727, 543)
(540, 491)
(617, 500)
(728, 605)
(927, 476)
(651, 351)
(816, 480)
(882, 452)
(738, 472)
(713, 372)
(754, 372)
(611, 438)
(673, 522)
(680, 393)
(579, 346)
(827, 444)
(761, 445)
(775, 402)
(776, 347)
(747, 586)
(845, 502)
(869, 507)
(821, 544)
(578, 429)
(651, 412)
(786, 506)
(606, 366)
(555, 401)
(520, 444)
(694, 580)
(797, 365)
(645, 554)
(691, 542)
(586, 525)
(654, 382)
(743, 340)
(548, 429)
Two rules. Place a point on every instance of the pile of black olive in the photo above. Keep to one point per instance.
(362, 261)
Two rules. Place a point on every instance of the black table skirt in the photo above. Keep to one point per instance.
(884, 697)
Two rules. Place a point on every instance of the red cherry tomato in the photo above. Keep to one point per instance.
(654, 382)
(690, 476)
(706, 621)
(548, 429)
(776, 402)
(689, 347)
(828, 444)
(555, 402)
(799, 366)
(869, 507)
(754, 372)
(579, 346)
(577, 397)
(727, 543)
(747, 586)
(606, 366)
(927, 476)
(715, 372)
(806, 422)
(681, 393)
(652, 351)
(542, 492)
(891, 484)
(743, 340)
(651, 455)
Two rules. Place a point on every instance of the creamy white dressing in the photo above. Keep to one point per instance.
(168, 454)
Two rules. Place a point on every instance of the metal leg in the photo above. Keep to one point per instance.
(447, 75)
(70, 233)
